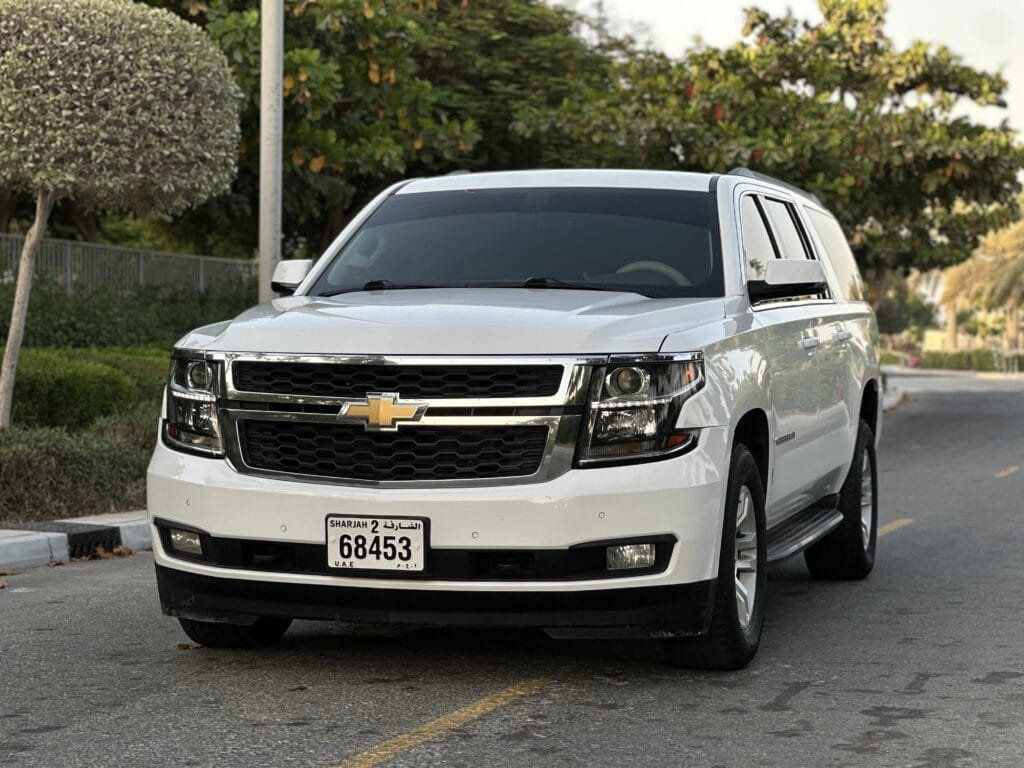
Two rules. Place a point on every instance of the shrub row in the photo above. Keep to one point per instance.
(106, 318)
(962, 360)
(48, 473)
(888, 357)
(73, 388)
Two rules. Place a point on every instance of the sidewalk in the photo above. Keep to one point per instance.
(24, 545)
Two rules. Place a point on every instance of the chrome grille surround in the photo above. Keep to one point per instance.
(562, 412)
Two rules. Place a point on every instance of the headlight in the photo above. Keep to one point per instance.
(191, 422)
(633, 407)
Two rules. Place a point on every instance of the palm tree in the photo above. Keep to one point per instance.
(993, 278)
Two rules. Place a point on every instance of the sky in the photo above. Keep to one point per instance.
(987, 33)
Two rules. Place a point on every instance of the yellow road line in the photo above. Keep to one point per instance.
(406, 741)
(895, 525)
(1007, 472)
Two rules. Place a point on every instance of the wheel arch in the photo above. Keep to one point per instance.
(869, 406)
(752, 430)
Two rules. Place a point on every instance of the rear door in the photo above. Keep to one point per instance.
(849, 340)
(791, 348)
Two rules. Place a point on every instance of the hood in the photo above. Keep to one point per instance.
(493, 321)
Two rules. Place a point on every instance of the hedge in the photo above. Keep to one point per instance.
(72, 388)
(53, 391)
(962, 360)
(48, 473)
(106, 318)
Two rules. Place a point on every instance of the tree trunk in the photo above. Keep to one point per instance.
(1012, 328)
(16, 333)
(951, 325)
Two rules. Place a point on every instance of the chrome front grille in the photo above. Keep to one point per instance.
(352, 380)
(489, 421)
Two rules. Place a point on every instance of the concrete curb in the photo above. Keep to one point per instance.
(30, 544)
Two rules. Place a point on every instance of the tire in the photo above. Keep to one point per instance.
(848, 552)
(264, 631)
(732, 641)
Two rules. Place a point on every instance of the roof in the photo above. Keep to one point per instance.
(669, 180)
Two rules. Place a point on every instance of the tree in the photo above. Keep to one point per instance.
(113, 105)
(375, 91)
(357, 115)
(992, 279)
(876, 131)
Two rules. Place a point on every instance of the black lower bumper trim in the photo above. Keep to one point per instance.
(678, 610)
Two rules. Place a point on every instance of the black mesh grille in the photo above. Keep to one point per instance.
(345, 451)
(411, 381)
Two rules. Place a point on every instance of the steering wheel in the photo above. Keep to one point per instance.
(658, 267)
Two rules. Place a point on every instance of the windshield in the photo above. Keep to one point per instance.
(651, 242)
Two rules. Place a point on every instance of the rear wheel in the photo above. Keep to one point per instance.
(264, 631)
(738, 608)
(848, 552)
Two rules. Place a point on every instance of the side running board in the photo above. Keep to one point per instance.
(798, 532)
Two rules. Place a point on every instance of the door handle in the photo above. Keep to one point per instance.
(842, 336)
(809, 342)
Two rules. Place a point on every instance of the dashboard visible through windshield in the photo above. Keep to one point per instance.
(658, 243)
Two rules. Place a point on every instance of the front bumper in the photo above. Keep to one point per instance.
(676, 611)
(679, 499)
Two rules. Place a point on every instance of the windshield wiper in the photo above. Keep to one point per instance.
(554, 282)
(377, 285)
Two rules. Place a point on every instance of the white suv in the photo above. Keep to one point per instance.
(595, 402)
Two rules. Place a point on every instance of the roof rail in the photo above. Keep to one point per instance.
(772, 180)
(458, 172)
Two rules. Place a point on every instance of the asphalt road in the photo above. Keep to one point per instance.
(920, 666)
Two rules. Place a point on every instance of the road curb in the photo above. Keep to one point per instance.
(25, 545)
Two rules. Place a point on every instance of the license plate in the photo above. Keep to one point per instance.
(359, 543)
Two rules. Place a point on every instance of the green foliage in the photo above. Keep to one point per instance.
(54, 391)
(890, 357)
(114, 104)
(375, 91)
(85, 422)
(904, 310)
(876, 131)
(964, 360)
(105, 318)
(993, 278)
(50, 473)
(357, 113)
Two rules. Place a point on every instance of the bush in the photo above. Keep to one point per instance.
(146, 367)
(888, 357)
(963, 360)
(52, 390)
(48, 473)
(106, 318)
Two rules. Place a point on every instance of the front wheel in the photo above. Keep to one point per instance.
(848, 552)
(264, 631)
(738, 608)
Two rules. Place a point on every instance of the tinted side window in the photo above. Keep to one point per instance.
(791, 244)
(757, 243)
(851, 286)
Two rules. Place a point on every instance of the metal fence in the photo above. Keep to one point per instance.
(79, 266)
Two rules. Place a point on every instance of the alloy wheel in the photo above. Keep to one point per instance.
(867, 500)
(746, 556)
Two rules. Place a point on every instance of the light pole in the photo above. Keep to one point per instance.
(271, 129)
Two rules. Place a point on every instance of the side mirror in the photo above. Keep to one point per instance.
(288, 274)
(787, 279)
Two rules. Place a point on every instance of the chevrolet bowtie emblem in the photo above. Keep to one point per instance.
(381, 411)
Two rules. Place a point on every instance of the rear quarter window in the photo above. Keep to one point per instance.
(837, 250)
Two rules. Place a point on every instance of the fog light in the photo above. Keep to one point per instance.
(626, 556)
(186, 542)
